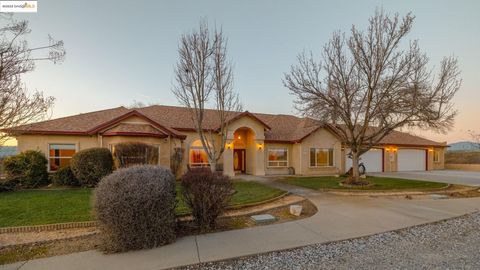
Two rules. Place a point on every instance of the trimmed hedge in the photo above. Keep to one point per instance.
(207, 194)
(28, 169)
(64, 177)
(135, 208)
(91, 165)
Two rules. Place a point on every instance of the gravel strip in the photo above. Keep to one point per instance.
(450, 244)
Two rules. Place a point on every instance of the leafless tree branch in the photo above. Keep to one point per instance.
(369, 83)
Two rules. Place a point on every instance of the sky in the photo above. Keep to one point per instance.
(121, 51)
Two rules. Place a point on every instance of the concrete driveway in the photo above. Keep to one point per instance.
(444, 176)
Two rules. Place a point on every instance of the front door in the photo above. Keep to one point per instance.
(239, 160)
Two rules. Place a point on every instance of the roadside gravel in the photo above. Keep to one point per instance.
(450, 244)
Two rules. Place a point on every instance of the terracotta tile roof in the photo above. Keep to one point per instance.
(173, 120)
(126, 129)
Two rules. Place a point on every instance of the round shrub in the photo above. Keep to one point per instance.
(91, 165)
(135, 208)
(28, 169)
(64, 177)
(207, 194)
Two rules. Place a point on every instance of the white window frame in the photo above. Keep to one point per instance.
(197, 164)
(48, 152)
(436, 153)
(316, 161)
(278, 162)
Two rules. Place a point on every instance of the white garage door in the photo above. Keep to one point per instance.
(411, 160)
(371, 159)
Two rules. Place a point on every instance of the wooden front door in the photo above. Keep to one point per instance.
(239, 160)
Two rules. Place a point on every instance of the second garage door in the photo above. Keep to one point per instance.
(411, 160)
(372, 160)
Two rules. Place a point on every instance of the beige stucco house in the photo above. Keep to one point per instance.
(257, 144)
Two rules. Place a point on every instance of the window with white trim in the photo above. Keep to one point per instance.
(59, 155)
(277, 157)
(321, 157)
(436, 156)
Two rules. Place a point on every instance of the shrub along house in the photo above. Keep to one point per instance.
(257, 144)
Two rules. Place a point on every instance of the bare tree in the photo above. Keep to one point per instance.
(204, 77)
(369, 84)
(475, 137)
(17, 105)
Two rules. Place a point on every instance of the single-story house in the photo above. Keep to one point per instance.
(257, 143)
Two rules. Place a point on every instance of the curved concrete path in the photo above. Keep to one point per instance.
(338, 218)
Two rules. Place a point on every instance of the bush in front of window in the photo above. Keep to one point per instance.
(207, 194)
(91, 165)
(64, 177)
(135, 153)
(135, 208)
(28, 169)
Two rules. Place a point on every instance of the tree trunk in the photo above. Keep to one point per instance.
(213, 166)
(355, 178)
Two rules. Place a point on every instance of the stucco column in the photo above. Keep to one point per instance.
(259, 157)
(228, 155)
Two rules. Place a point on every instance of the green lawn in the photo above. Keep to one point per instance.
(379, 183)
(34, 207)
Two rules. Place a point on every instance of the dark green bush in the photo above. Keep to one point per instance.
(135, 153)
(91, 165)
(135, 208)
(28, 169)
(64, 177)
(8, 185)
(206, 194)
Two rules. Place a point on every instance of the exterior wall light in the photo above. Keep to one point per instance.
(228, 146)
(259, 146)
(430, 150)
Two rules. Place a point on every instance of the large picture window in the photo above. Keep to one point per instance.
(321, 157)
(277, 157)
(60, 155)
(198, 157)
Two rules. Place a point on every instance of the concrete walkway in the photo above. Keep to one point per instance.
(338, 218)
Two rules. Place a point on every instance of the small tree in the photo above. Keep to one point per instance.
(17, 105)
(370, 85)
(203, 73)
(207, 194)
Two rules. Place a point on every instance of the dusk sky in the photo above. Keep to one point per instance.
(121, 51)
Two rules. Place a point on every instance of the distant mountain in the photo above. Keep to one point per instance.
(464, 146)
(6, 151)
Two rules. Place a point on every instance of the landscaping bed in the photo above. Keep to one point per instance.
(31, 245)
(35, 207)
(376, 184)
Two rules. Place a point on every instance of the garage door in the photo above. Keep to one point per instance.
(411, 160)
(371, 159)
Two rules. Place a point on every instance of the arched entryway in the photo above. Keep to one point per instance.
(243, 147)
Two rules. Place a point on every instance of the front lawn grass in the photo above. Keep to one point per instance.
(377, 183)
(35, 207)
